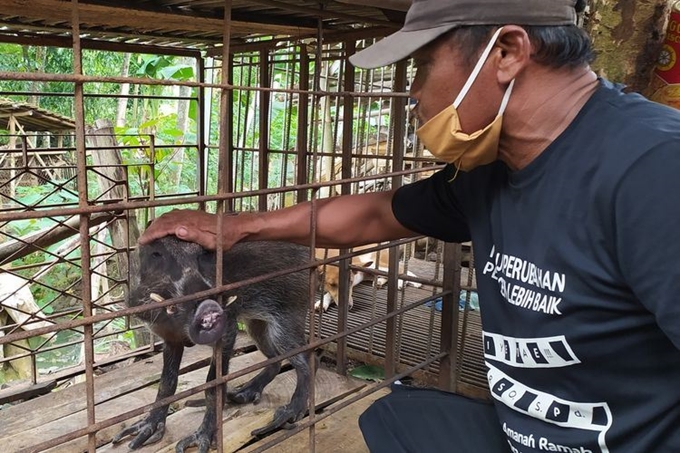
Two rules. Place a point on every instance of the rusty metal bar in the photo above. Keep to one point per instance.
(200, 295)
(224, 184)
(303, 125)
(313, 335)
(41, 348)
(338, 407)
(98, 95)
(201, 130)
(86, 292)
(152, 175)
(94, 427)
(75, 78)
(398, 126)
(112, 421)
(38, 242)
(346, 171)
(226, 145)
(91, 44)
(448, 368)
(313, 228)
(391, 306)
(263, 153)
(120, 206)
(398, 120)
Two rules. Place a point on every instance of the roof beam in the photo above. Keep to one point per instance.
(94, 16)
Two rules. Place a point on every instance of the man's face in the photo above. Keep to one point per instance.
(440, 75)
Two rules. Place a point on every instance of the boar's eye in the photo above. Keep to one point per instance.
(156, 255)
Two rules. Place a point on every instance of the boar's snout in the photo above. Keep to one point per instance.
(208, 323)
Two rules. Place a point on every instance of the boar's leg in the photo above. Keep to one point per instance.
(252, 391)
(287, 336)
(204, 437)
(152, 428)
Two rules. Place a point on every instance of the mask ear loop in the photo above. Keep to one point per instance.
(501, 110)
(457, 165)
(471, 79)
(477, 69)
(506, 97)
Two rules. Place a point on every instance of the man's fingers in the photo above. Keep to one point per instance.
(165, 225)
(154, 232)
(187, 225)
(202, 238)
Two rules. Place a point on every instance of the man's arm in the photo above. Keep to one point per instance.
(343, 221)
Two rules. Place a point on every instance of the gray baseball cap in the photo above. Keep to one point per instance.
(426, 20)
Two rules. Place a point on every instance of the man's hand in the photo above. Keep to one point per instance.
(188, 225)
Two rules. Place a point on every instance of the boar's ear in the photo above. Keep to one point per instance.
(206, 264)
(134, 268)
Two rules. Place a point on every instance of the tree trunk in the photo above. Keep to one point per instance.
(327, 142)
(112, 183)
(182, 125)
(36, 64)
(124, 91)
(627, 35)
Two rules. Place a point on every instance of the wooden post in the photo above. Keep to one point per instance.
(12, 159)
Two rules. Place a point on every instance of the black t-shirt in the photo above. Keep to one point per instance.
(578, 272)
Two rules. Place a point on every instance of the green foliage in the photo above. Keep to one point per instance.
(368, 373)
(45, 194)
(14, 57)
(152, 135)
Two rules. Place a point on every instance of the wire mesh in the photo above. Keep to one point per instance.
(304, 125)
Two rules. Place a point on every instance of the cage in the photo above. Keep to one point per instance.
(227, 106)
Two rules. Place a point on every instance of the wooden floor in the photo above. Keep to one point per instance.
(418, 332)
(30, 423)
(339, 433)
(25, 425)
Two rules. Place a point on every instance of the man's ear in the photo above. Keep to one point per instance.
(515, 53)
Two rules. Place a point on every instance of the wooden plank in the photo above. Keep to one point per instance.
(240, 421)
(339, 433)
(414, 337)
(112, 408)
(41, 388)
(92, 15)
(31, 414)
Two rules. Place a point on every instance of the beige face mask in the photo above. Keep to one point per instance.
(443, 137)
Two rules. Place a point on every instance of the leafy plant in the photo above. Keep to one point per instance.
(368, 373)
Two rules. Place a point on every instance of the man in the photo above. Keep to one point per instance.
(567, 188)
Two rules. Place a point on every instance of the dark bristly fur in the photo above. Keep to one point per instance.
(274, 312)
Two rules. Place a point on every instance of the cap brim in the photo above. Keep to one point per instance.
(396, 47)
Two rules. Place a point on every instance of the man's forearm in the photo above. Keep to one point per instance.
(340, 222)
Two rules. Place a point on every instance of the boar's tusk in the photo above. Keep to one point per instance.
(231, 300)
(170, 309)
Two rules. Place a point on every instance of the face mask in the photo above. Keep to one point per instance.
(443, 137)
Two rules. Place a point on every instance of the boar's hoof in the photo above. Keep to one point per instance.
(199, 439)
(285, 416)
(243, 396)
(146, 431)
